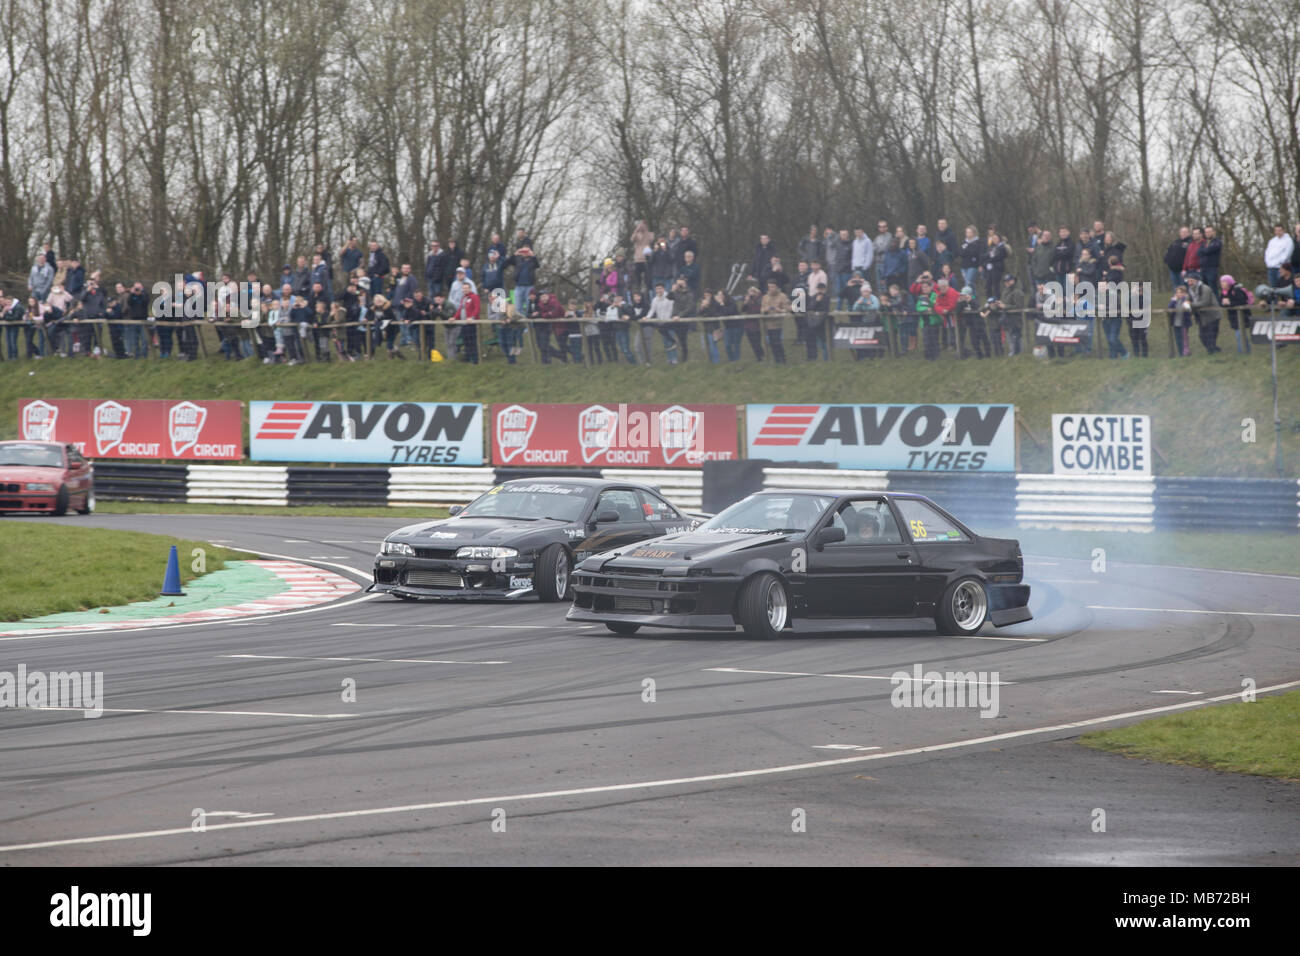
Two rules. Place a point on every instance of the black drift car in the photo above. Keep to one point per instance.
(808, 561)
(520, 538)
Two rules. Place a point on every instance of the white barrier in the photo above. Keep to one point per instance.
(1085, 502)
(237, 485)
(682, 486)
(414, 486)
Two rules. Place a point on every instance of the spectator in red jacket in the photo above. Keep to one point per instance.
(946, 300)
(1192, 257)
(468, 312)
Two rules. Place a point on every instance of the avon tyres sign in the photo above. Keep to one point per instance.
(1101, 445)
(603, 436)
(397, 433)
(886, 437)
(153, 428)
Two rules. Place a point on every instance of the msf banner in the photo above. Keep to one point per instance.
(886, 437)
(154, 428)
(618, 435)
(392, 433)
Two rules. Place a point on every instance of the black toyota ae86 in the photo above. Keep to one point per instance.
(520, 538)
(808, 561)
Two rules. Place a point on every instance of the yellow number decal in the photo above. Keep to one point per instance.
(918, 528)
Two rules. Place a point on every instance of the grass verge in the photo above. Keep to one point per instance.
(1261, 738)
(48, 569)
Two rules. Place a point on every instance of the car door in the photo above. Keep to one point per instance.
(873, 572)
(942, 547)
(630, 527)
(78, 471)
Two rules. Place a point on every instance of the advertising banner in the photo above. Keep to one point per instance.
(1284, 330)
(149, 428)
(614, 435)
(1062, 332)
(870, 336)
(393, 433)
(1101, 445)
(886, 437)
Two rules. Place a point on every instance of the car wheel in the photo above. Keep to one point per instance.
(88, 505)
(552, 578)
(61, 501)
(621, 627)
(763, 609)
(964, 608)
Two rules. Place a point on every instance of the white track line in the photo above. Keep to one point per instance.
(507, 627)
(642, 785)
(222, 713)
(362, 660)
(1189, 610)
(739, 670)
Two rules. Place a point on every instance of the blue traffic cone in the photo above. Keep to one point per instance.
(172, 580)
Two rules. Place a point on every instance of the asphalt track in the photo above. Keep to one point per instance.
(468, 716)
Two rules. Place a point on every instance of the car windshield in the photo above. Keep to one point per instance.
(41, 456)
(766, 514)
(532, 500)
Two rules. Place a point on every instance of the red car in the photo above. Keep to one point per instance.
(45, 476)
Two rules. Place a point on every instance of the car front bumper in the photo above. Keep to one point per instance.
(683, 622)
(27, 501)
(447, 579)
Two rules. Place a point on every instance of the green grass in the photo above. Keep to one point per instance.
(1262, 738)
(48, 569)
(1197, 405)
(279, 511)
(1275, 553)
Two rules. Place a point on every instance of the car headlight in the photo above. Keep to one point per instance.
(39, 486)
(472, 552)
(397, 547)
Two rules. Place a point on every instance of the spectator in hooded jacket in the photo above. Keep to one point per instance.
(526, 268)
(761, 261)
(1278, 253)
(774, 307)
(663, 268)
(1237, 300)
(377, 269)
(810, 247)
(1205, 306)
(1180, 320)
(865, 310)
(864, 253)
(41, 279)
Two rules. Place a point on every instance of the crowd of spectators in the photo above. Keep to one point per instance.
(647, 302)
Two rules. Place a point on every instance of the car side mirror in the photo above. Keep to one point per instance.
(828, 536)
(455, 510)
(605, 517)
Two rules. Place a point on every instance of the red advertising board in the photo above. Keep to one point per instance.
(613, 435)
(153, 428)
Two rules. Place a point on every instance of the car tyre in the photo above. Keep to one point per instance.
(763, 609)
(622, 627)
(87, 506)
(964, 608)
(61, 502)
(554, 580)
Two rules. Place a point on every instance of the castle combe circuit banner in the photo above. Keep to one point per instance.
(886, 437)
(392, 433)
(613, 435)
(152, 428)
(1101, 445)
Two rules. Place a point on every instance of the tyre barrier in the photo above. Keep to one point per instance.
(1000, 499)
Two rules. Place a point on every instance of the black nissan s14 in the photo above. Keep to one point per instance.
(521, 538)
(808, 561)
